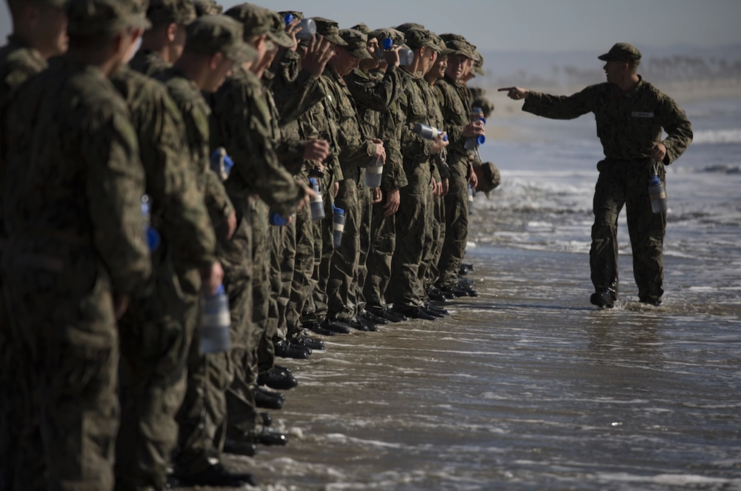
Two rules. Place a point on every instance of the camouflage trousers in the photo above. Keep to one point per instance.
(323, 252)
(625, 183)
(155, 341)
(11, 410)
(428, 248)
(64, 329)
(411, 227)
(438, 239)
(383, 244)
(365, 207)
(456, 225)
(302, 283)
(344, 265)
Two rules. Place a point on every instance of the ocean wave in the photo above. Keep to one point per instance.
(716, 137)
(721, 169)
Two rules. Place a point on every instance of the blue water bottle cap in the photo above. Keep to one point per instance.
(228, 164)
(481, 140)
(153, 239)
(388, 43)
(445, 138)
(654, 180)
(288, 19)
(220, 290)
(276, 219)
(312, 181)
(483, 120)
(338, 211)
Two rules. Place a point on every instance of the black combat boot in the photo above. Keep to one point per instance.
(603, 299)
(277, 379)
(216, 475)
(266, 399)
(285, 349)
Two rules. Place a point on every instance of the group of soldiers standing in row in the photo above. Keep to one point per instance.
(228, 127)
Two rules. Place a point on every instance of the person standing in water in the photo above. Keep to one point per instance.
(630, 114)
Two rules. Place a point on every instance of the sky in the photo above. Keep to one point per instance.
(535, 25)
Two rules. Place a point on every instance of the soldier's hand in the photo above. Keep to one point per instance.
(292, 29)
(380, 151)
(659, 152)
(474, 129)
(433, 187)
(120, 304)
(377, 195)
(316, 150)
(315, 59)
(211, 277)
(439, 189)
(440, 143)
(335, 189)
(515, 93)
(445, 187)
(472, 178)
(309, 194)
(393, 199)
(231, 223)
(392, 56)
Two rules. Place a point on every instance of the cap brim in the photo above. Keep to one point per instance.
(334, 39)
(446, 52)
(479, 71)
(361, 54)
(138, 21)
(242, 53)
(281, 39)
(606, 57)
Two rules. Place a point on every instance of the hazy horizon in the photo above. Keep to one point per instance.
(538, 25)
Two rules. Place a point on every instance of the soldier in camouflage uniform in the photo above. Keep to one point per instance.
(163, 44)
(75, 252)
(630, 114)
(243, 121)
(374, 91)
(213, 47)
(407, 292)
(39, 33)
(356, 152)
(383, 218)
(157, 330)
(456, 108)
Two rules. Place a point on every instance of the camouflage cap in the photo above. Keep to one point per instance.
(478, 62)
(207, 7)
(622, 52)
(171, 12)
(491, 178)
(420, 38)
(443, 50)
(92, 17)
(330, 30)
(357, 43)
(213, 34)
(362, 28)
(258, 21)
(457, 44)
(388, 33)
(409, 25)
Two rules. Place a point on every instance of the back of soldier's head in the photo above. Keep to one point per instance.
(93, 24)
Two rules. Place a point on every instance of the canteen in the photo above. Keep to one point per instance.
(657, 193)
(317, 204)
(339, 225)
(374, 174)
(474, 143)
(471, 194)
(215, 322)
(151, 233)
(427, 132)
(308, 29)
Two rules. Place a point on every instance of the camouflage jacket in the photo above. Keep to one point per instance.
(178, 207)
(149, 62)
(319, 122)
(416, 150)
(376, 96)
(195, 113)
(355, 150)
(431, 96)
(457, 115)
(75, 181)
(628, 123)
(243, 123)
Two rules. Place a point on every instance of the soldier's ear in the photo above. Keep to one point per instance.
(171, 32)
(215, 61)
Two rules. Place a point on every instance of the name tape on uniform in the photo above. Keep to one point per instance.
(637, 114)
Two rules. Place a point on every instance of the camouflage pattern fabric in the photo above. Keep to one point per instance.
(149, 63)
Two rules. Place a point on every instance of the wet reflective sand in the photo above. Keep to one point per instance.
(526, 387)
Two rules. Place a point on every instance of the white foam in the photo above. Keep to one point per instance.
(714, 137)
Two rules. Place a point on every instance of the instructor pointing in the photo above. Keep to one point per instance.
(630, 115)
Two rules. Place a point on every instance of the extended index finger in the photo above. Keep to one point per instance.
(506, 89)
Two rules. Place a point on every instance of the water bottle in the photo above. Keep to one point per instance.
(427, 132)
(308, 29)
(317, 204)
(374, 174)
(221, 163)
(153, 237)
(474, 143)
(386, 45)
(215, 321)
(477, 114)
(288, 19)
(658, 195)
(276, 220)
(339, 225)
(406, 57)
(471, 194)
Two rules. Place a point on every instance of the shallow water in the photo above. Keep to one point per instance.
(526, 387)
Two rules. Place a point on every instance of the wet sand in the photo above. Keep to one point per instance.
(525, 387)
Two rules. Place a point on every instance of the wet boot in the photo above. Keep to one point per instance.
(388, 314)
(371, 317)
(216, 475)
(245, 449)
(277, 379)
(266, 399)
(604, 299)
(417, 313)
(271, 438)
(304, 340)
(284, 349)
(316, 328)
